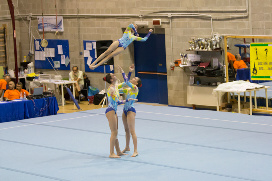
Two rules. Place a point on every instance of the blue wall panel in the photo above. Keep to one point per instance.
(48, 62)
(92, 54)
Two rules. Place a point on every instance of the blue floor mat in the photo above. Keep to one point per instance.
(173, 144)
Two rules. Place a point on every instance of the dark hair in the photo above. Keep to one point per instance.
(20, 83)
(107, 78)
(139, 82)
(75, 66)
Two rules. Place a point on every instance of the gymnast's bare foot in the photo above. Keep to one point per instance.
(125, 150)
(92, 67)
(121, 153)
(135, 154)
(114, 156)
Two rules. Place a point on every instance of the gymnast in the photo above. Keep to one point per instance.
(113, 100)
(120, 45)
(129, 111)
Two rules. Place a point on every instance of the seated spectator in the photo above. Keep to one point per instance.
(11, 93)
(3, 84)
(22, 91)
(231, 59)
(77, 75)
(239, 64)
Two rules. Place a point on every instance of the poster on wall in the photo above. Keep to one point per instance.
(50, 23)
(261, 61)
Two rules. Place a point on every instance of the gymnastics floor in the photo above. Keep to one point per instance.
(173, 144)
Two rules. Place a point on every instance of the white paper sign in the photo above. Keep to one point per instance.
(89, 46)
(56, 64)
(60, 50)
(89, 61)
(52, 52)
(37, 55)
(42, 55)
(94, 45)
(111, 67)
(49, 52)
(63, 59)
(37, 45)
(86, 53)
(67, 61)
(46, 51)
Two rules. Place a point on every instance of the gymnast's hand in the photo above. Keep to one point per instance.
(151, 30)
(131, 68)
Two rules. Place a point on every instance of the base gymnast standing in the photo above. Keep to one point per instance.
(120, 45)
(113, 100)
(129, 111)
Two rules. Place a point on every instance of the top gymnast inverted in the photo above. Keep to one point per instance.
(120, 45)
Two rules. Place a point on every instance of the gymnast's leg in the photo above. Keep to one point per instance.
(117, 147)
(112, 47)
(113, 123)
(131, 125)
(112, 54)
(124, 117)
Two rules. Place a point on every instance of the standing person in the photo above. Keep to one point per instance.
(120, 45)
(129, 111)
(113, 100)
(77, 75)
(19, 87)
(11, 93)
(3, 84)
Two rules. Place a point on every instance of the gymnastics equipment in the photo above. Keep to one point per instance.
(71, 95)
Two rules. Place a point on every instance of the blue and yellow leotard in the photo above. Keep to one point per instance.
(113, 98)
(131, 92)
(128, 37)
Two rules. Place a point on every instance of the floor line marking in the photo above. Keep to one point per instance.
(208, 118)
(33, 124)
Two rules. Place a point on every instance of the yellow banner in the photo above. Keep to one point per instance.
(261, 61)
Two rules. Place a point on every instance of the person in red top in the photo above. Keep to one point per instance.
(3, 84)
(12, 93)
(239, 64)
(22, 91)
(231, 59)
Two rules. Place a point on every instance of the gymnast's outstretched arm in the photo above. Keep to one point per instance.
(136, 38)
(126, 78)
